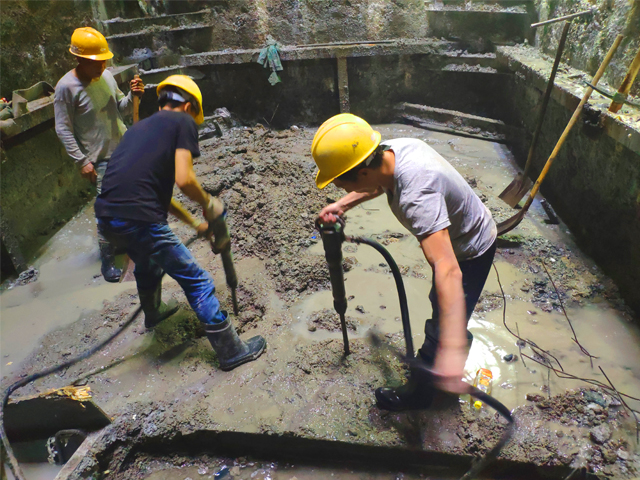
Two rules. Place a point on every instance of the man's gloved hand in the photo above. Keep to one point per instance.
(214, 209)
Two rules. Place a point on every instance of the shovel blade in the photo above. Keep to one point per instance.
(516, 190)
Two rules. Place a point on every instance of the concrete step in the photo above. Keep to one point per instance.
(136, 9)
(458, 123)
(162, 46)
(120, 26)
(479, 30)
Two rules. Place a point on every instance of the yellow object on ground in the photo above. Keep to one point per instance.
(87, 42)
(189, 86)
(340, 144)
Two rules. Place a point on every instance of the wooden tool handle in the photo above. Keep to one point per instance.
(625, 86)
(136, 103)
(187, 217)
(573, 121)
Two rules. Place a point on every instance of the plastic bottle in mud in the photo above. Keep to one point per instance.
(483, 381)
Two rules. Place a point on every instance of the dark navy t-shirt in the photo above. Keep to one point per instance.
(138, 183)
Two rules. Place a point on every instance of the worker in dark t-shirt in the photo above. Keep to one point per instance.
(132, 214)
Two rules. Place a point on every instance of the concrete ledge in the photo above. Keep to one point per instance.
(568, 90)
(447, 51)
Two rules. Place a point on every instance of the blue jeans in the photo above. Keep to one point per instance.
(155, 249)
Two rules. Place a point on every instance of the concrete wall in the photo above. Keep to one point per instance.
(591, 36)
(40, 187)
(594, 184)
(35, 38)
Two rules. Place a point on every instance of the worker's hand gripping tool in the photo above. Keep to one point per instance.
(332, 239)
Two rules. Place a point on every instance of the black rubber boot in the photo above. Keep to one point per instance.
(155, 310)
(231, 350)
(108, 269)
(416, 394)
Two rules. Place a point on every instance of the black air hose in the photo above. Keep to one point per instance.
(402, 294)
(418, 363)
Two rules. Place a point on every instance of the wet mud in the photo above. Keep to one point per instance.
(165, 384)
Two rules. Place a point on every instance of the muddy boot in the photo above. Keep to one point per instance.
(416, 394)
(155, 310)
(231, 350)
(108, 269)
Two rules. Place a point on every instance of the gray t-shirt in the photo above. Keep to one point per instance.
(430, 195)
(88, 116)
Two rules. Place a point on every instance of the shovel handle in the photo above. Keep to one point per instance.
(136, 104)
(572, 122)
(545, 100)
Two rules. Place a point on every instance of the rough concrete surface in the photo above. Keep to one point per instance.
(158, 386)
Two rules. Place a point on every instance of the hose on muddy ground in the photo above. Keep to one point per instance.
(13, 462)
(416, 362)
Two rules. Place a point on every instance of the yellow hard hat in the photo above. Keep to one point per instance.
(341, 143)
(189, 86)
(87, 42)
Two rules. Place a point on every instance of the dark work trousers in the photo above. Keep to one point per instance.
(474, 276)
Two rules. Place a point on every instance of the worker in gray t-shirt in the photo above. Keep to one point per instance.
(456, 233)
(88, 107)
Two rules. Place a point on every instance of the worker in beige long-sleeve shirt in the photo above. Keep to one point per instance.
(88, 114)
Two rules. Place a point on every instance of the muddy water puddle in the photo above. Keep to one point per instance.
(69, 286)
(284, 471)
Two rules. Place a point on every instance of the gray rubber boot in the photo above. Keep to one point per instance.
(155, 310)
(231, 350)
(108, 269)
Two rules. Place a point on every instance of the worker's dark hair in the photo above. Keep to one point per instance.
(168, 97)
(352, 175)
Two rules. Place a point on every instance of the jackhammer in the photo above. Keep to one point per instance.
(332, 238)
(220, 244)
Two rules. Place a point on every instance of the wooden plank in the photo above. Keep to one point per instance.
(44, 415)
(343, 85)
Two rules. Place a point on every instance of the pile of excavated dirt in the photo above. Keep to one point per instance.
(160, 385)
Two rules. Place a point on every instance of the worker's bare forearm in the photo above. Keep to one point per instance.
(452, 307)
(195, 192)
(354, 199)
(186, 178)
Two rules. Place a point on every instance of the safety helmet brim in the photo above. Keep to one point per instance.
(99, 57)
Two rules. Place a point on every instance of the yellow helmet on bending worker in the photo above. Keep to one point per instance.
(340, 144)
(87, 42)
(188, 85)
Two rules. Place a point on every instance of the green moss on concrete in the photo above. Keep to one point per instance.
(40, 188)
(591, 36)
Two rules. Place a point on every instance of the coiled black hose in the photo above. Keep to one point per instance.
(418, 363)
(13, 462)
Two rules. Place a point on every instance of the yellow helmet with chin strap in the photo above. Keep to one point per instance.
(340, 144)
(189, 86)
(87, 42)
